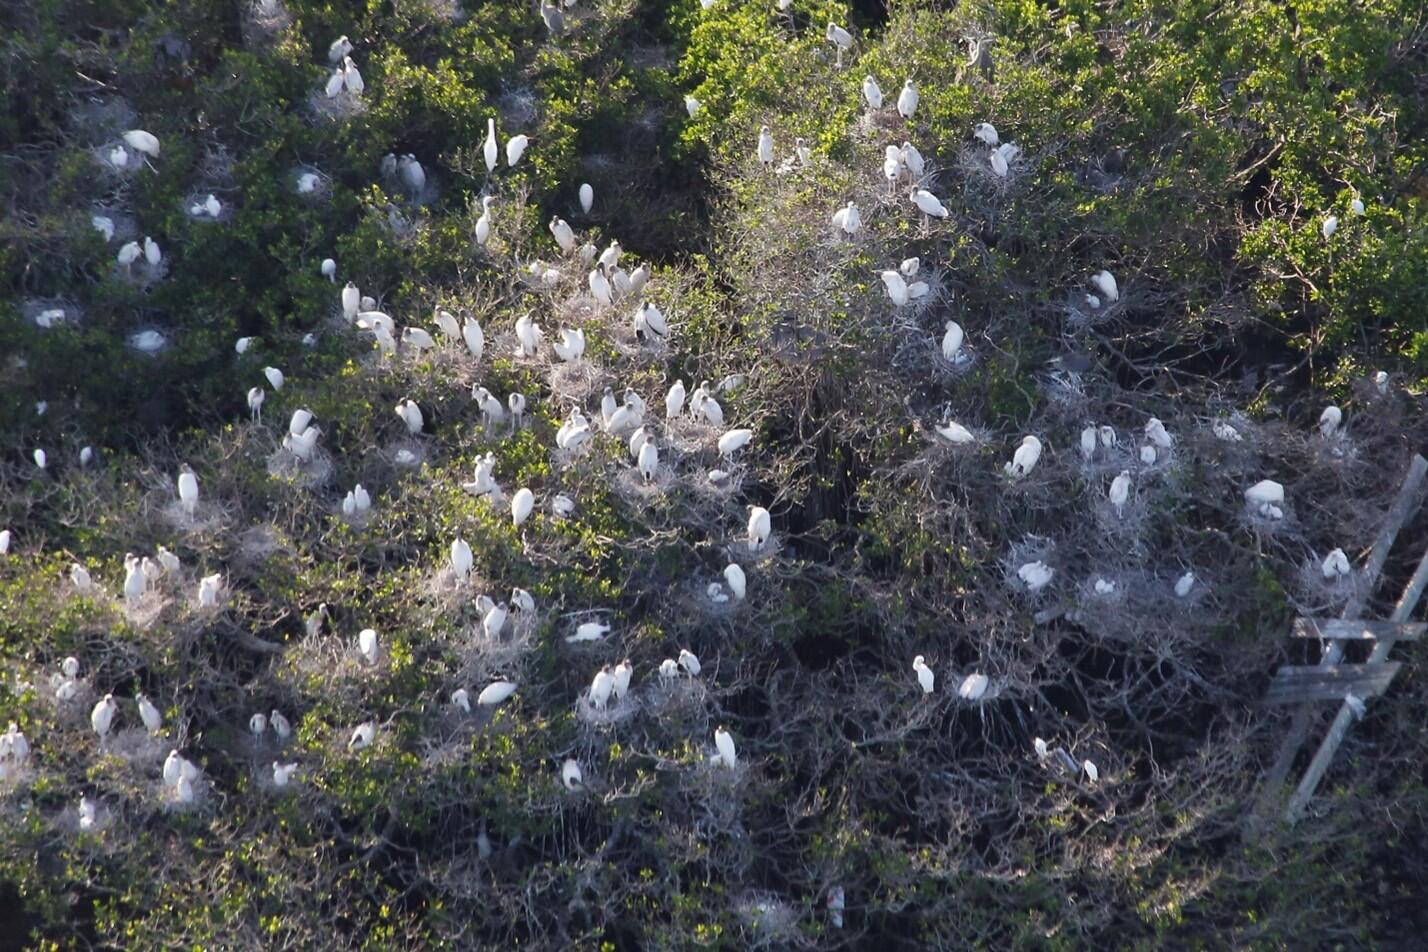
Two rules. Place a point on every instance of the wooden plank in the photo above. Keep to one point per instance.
(1342, 629)
(1293, 684)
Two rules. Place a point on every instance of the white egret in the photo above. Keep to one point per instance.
(88, 813)
(362, 736)
(168, 560)
(737, 581)
(1120, 491)
(367, 645)
(987, 133)
(461, 558)
(334, 84)
(307, 183)
(1105, 282)
(724, 741)
(716, 593)
(351, 77)
(1148, 455)
(1002, 157)
(142, 141)
(14, 746)
(1380, 381)
(801, 149)
(765, 150)
(973, 687)
(1035, 575)
(460, 698)
(1357, 206)
(483, 224)
(102, 717)
(571, 776)
(848, 219)
(689, 661)
(588, 631)
(129, 252)
(474, 338)
(912, 160)
(587, 197)
(134, 580)
(925, 677)
(648, 462)
(601, 688)
(515, 148)
(1025, 458)
(188, 491)
(562, 506)
(1331, 225)
(952, 341)
(734, 440)
(1092, 772)
(491, 150)
(243, 344)
(674, 400)
(149, 714)
(872, 93)
(152, 254)
(760, 525)
(118, 157)
(1335, 565)
(283, 773)
(280, 725)
(1329, 421)
(522, 503)
(927, 203)
(1103, 586)
(907, 100)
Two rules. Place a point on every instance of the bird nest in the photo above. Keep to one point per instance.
(614, 713)
(631, 485)
(576, 381)
(1317, 595)
(144, 611)
(50, 313)
(580, 310)
(345, 105)
(263, 20)
(305, 474)
(196, 199)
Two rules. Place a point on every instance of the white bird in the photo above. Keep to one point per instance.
(129, 252)
(14, 746)
(760, 525)
(515, 148)
(335, 82)
(689, 661)
(650, 323)
(895, 286)
(691, 105)
(1266, 497)
(483, 224)
(952, 341)
(563, 234)
(473, 336)
(925, 677)
(987, 133)
(351, 77)
(460, 698)
(1088, 442)
(737, 581)
(1105, 282)
(363, 736)
(134, 580)
(912, 160)
(601, 688)
(1331, 225)
(521, 505)
(1002, 157)
(588, 631)
(1035, 575)
(188, 491)
(307, 183)
(1092, 772)
(298, 423)
(175, 766)
(734, 440)
(283, 773)
(88, 813)
(716, 593)
(907, 100)
(411, 415)
(927, 203)
(168, 560)
(974, 687)
(119, 157)
(1043, 750)
(209, 588)
(103, 715)
(648, 461)
(491, 150)
(1157, 434)
(765, 149)
(258, 725)
(587, 197)
(280, 725)
(1329, 421)
(1380, 381)
(840, 38)
(152, 254)
(1184, 584)
(1336, 565)
(668, 668)
(570, 775)
(674, 400)
(4, 542)
(1357, 206)
(104, 225)
(955, 433)
(1120, 491)
(801, 149)
(494, 620)
(848, 219)
(724, 741)
(142, 141)
(836, 904)
(351, 301)
(79, 575)
(367, 645)
(624, 672)
(149, 714)
(491, 408)
(339, 49)
(417, 339)
(461, 558)
(872, 93)
(1025, 458)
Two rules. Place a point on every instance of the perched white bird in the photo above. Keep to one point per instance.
(129, 252)
(119, 157)
(896, 287)
(1105, 282)
(79, 575)
(149, 714)
(242, 344)
(952, 341)
(1156, 433)
(483, 224)
(1184, 584)
(339, 49)
(907, 100)
(258, 725)
(515, 148)
(103, 715)
(1336, 565)
(298, 424)
(801, 149)
(1025, 458)
(1002, 157)
(494, 620)
(474, 338)
(1266, 497)
(142, 141)
(912, 160)
(760, 525)
(925, 677)
(351, 301)
(1035, 575)
(624, 672)
(152, 254)
(367, 645)
(522, 503)
(461, 558)
(601, 688)
(1357, 206)
(135, 581)
(836, 904)
(955, 433)
(840, 38)
(4, 541)
(563, 234)
(927, 203)
(351, 77)
(691, 105)
(460, 698)
(765, 149)
(737, 581)
(689, 661)
(283, 773)
(411, 415)
(335, 83)
(588, 631)
(848, 219)
(734, 440)
(1120, 491)
(104, 225)
(209, 588)
(650, 323)
(188, 491)
(974, 687)
(1331, 225)
(1092, 772)
(648, 461)
(570, 775)
(491, 149)
(668, 668)
(88, 813)
(986, 132)
(724, 741)
(280, 725)
(363, 736)
(674, 400)
(1088, 442)
(587, 197)
(1329, 421)
(872, 93)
